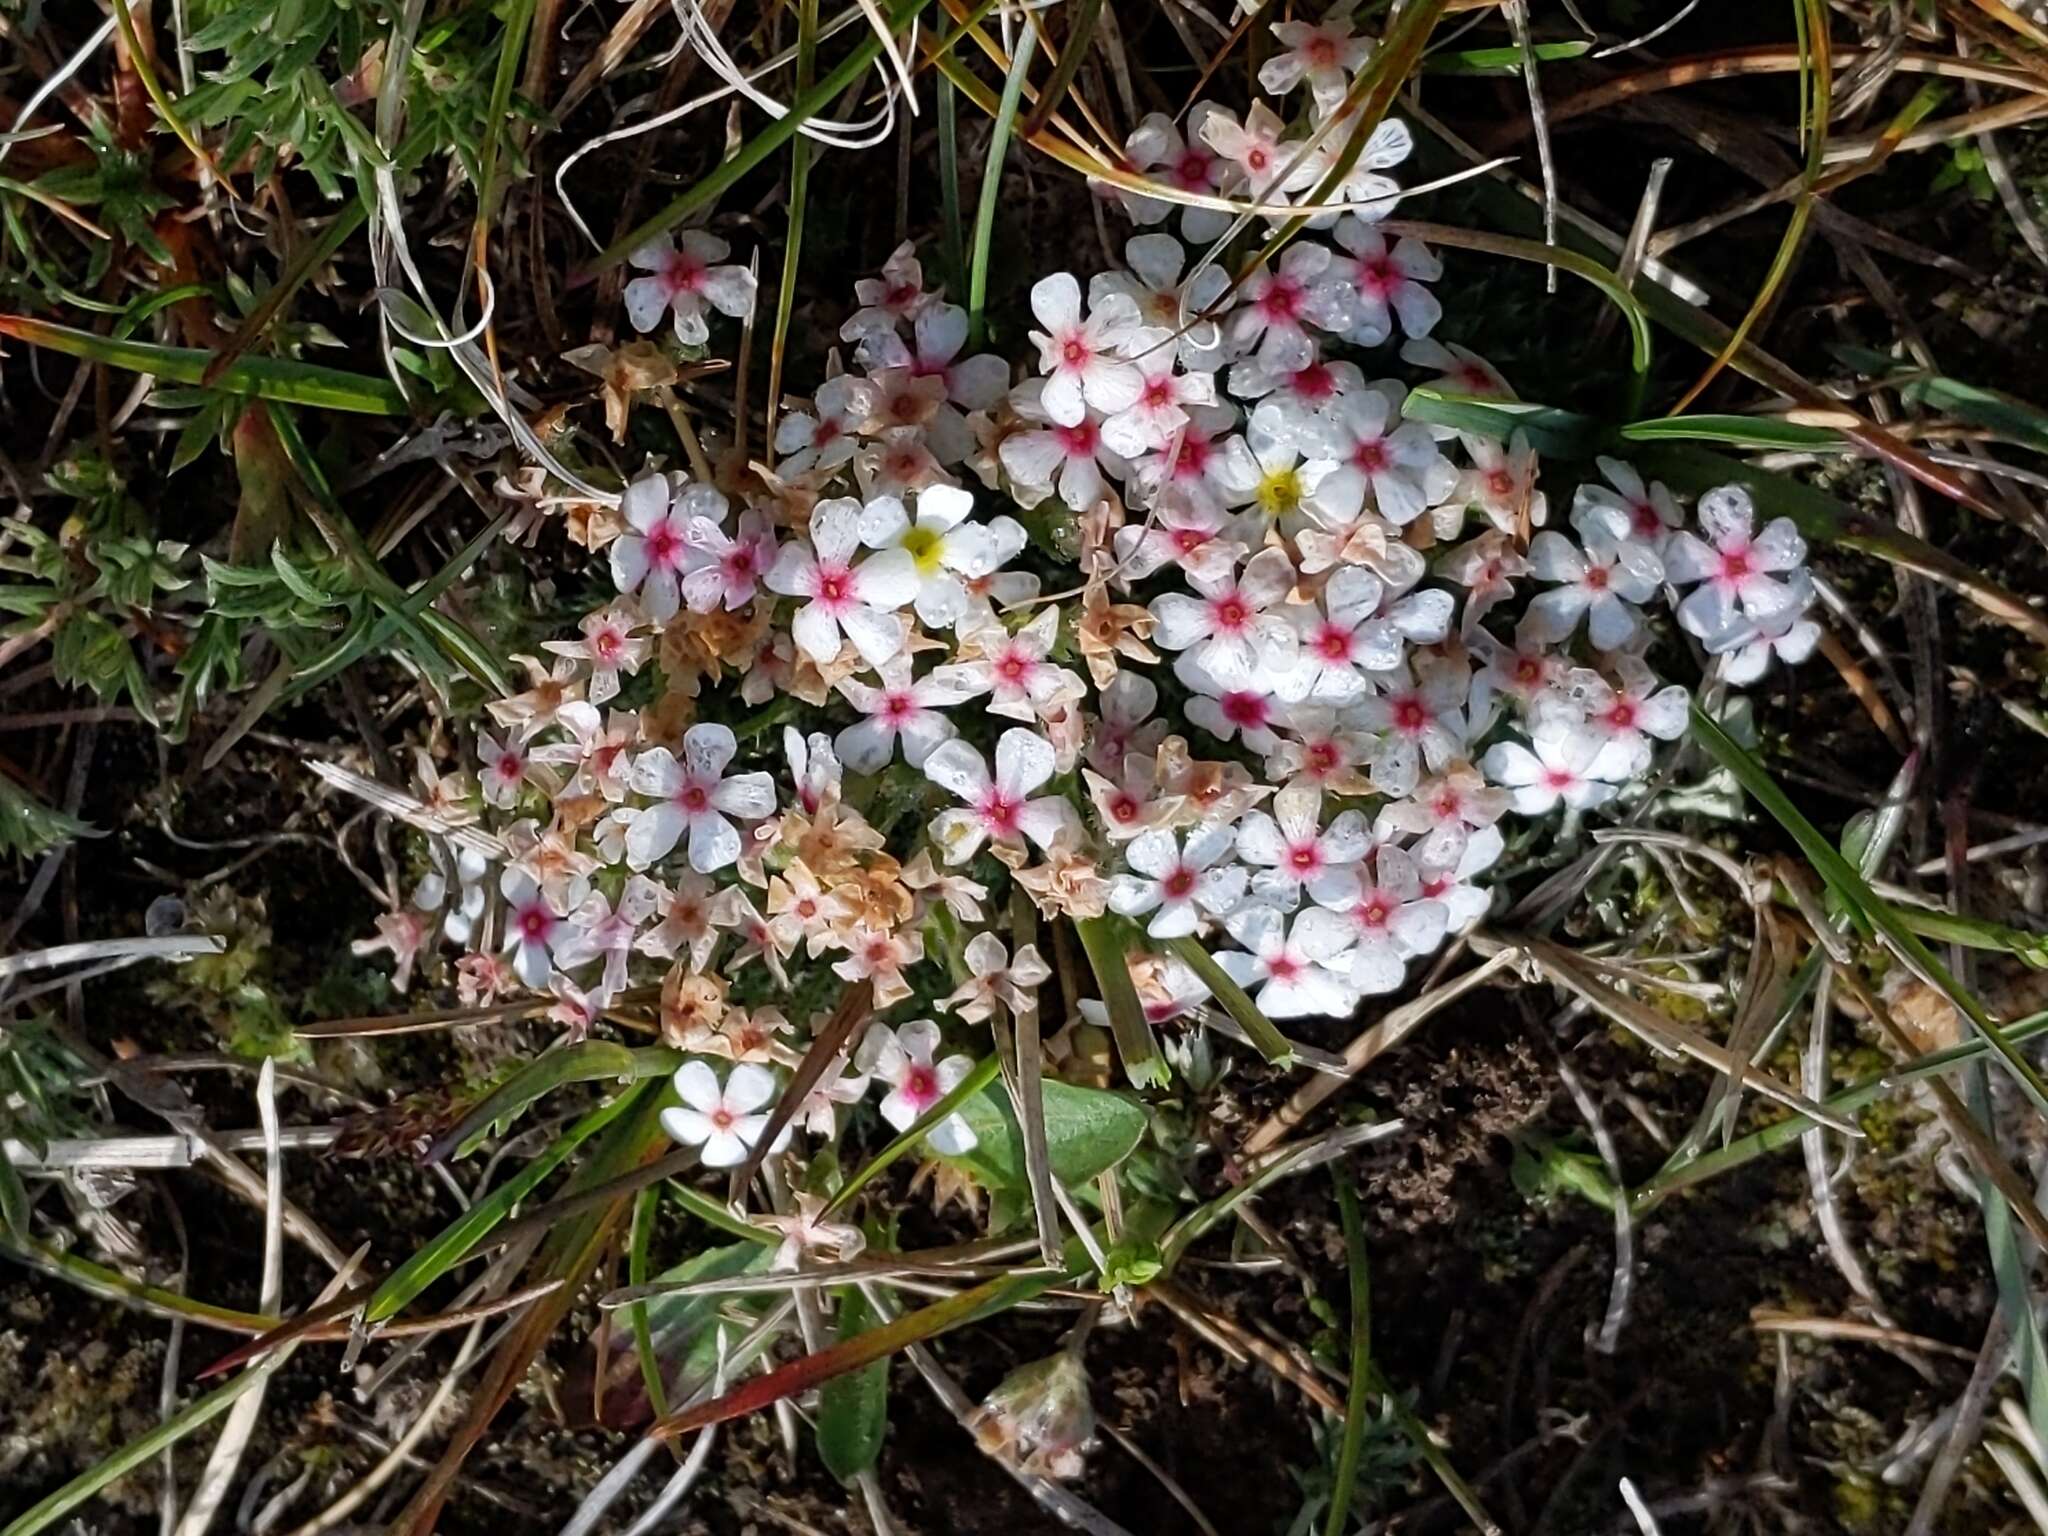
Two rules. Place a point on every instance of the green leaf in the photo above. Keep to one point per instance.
(853, 1410)
(1106, 940)
(1869, 911)
(29, 828)
(2009, 417)
(1086, 1131)
(588, 1062)
(268, 378)
(456, 1239)
(1236, 1002)
(1554, 433)
(1731, 431)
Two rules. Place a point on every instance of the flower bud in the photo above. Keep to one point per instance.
(1039, 1417)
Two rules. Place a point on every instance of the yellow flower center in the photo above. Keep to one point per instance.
(1279, 492)
(925, 546)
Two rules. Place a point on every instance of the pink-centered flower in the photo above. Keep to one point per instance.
(842, 595)
(902, 1060)
(1015, 671)
(610, 645)
(694, 797)
(1559, 770)
(1179, 886)
(1378, 909)
(685, 275)
(1232, 626)
(723, 1120)
(1739, 571)
(1083, 355)
(1285, 297)
(1388, 283)
(821, 440)
(999, 807)
(1185, 165)
(903, 709)
(722, 570)
(649, 558)
(1293, 849)
(532, 927)
(1290, 974)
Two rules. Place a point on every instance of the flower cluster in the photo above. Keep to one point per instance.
(1193, 629)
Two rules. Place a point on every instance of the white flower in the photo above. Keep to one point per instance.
(1165, 396)
(1600, 583)
(1251, 711)
(1398, 460)
(1340, 643)
(1187, 531)
(598, 928)
(650, 556)
(1421, 719)
(1178, 886)
(1154, 288)
(1233, 629)
(1184, 164)
(1387, 284)
(945, 549)
(1736, 569)
(1125, 727)
(532, 927)
(721, 570)
(1458, 369)
(1559, 769)
(1288, 484)
(998, 808)
(1501, 483)
(1083, 357)
(860, 600)
(1747, 647)
(1324, 54)
(685, 280)
(1651, 511)
(1283, 298)
(819, 444)
(1209, 467)
(1390, 144)
(1289, 975)
(803, 1232)
(504, 769)
(1380, 911)
(608, 647)
(693, 796)
(813, 767)
(902, 709)
(994, 979)
(1069, 459)
(1624, 720)
(1301, 398)
(1293, 848)
(965, 384)
(902, 1059)
(1450, 881)
(896, 296)
(1013, 670)
(1254, 147)
(725, 1120)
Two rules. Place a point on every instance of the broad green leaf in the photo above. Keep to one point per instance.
(1086, 1131)
(853, 1410)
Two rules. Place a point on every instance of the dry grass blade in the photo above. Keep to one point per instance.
(851, 1011)
(408, 809)
(1658, 1030)
(1770, 1320)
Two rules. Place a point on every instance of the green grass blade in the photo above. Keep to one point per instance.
(1236, 1001)
(1106, 940)
(1732, 432)
(283, 379)
(455, 1240)
(949, 183)
(763, 144)
(991, 182)
(1359, 1322)
(1083, 16)
(1866, 908)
